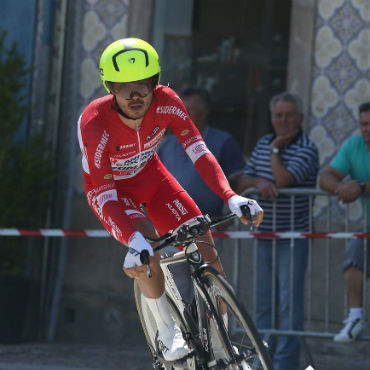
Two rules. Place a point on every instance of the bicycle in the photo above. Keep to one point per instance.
(242, 346)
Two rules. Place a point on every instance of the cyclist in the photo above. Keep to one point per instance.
(118, 136)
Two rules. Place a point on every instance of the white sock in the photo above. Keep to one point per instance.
(356, 312)
(224, 318)
(161, 312)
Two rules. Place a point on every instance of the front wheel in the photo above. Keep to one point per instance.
(242, 349)
(150, 331)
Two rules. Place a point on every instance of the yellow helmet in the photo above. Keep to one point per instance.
(128, 60)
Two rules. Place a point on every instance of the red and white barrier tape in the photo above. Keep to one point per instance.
(217, 234)
(288, 235)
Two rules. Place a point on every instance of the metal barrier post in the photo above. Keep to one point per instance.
(309, 266)
(366, 244)
(273, 279)
(291, 264)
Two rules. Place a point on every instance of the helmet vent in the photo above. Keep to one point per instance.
(131, 60)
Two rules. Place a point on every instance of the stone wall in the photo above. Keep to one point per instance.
(96, 303)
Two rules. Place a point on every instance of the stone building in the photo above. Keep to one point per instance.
(243, 52)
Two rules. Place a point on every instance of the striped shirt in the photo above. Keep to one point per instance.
(300, 158)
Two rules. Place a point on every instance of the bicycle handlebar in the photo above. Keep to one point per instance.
(187, 233)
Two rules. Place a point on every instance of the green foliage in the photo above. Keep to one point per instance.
(25, 167)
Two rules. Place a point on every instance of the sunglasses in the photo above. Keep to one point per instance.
(127, 90)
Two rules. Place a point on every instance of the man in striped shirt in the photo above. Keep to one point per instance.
(284, 158)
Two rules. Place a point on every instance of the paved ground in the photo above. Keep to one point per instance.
(326, 354)
(73, 357)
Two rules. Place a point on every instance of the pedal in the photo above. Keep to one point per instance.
(180, 361)
(157, 365)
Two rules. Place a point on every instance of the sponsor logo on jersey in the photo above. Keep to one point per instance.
(129, 202)
(121, 147)
(106, 197)
(180, 207)
(191, 140)
(155, 139)
(201, 147)
(171, 109)
(100, 148)
(155, 130)
(126, 201)
(135, 215)
(105, 187)
(184, 132)
(123, 155)
(133, 163)
(91, 198)
(196, 150)
(116, 231)
(173, 210)
(108, 176)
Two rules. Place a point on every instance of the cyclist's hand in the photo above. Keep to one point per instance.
(237, 201)
(136, 244)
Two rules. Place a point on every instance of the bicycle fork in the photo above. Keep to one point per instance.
(207, 313)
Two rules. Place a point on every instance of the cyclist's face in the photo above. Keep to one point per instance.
(285, 118)
(134, 98)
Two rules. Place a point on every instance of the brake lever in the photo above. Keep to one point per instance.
(247, 214)
(144, 259)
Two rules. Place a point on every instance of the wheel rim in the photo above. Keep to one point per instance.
(242, 354)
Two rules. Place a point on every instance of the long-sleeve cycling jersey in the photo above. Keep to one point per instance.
(114, 153)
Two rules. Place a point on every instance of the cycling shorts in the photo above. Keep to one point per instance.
(167, 204)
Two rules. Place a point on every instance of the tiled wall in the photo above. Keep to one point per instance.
(341, 76)
(104, 21)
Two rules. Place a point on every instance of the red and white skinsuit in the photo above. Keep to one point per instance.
(122, 169)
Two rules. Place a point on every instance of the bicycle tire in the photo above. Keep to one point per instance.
(243, 344)
(150, 330)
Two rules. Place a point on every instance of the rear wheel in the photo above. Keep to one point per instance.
(242, 347)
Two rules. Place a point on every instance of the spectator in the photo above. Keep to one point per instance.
(284, 158)
(220, 143)
(352, 159)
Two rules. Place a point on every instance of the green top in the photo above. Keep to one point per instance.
(353, 159)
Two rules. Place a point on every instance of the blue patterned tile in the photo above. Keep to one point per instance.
(346, 23)
(342, 73)
(111, 12)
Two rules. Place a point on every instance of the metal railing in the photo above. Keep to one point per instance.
(327, 216)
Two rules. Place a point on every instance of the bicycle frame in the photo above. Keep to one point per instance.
(191, 255)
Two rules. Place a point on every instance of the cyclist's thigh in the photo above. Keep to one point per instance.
(129, 205)
(171, 206)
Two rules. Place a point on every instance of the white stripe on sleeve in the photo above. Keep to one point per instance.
(196, 150)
